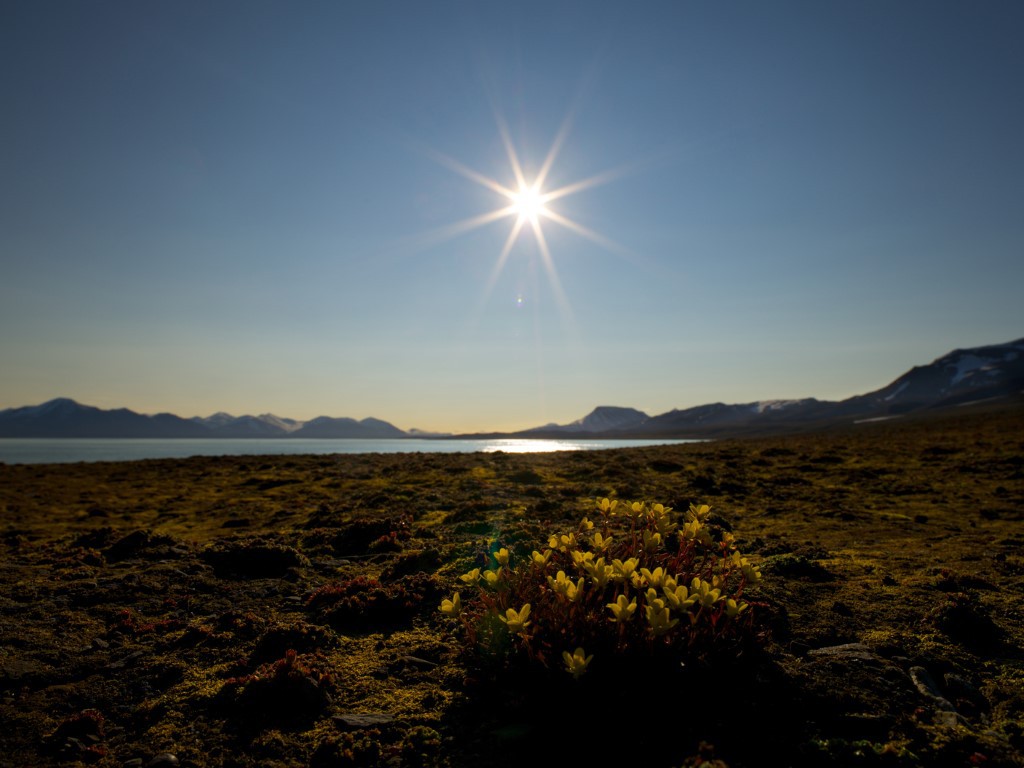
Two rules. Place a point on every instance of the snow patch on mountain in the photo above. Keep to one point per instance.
(967, 364)
(895, 393)
(762, 406)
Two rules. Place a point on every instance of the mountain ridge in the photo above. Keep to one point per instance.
(959, 377)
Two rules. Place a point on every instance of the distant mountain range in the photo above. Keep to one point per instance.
(66, 418)
(963, 376)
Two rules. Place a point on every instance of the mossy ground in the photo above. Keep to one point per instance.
(149, 607)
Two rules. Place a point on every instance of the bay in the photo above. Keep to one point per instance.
(67, 450)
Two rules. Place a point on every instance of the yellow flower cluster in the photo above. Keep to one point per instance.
(687, 577)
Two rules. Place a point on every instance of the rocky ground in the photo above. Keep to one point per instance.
(283, 611)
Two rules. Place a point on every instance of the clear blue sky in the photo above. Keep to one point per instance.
(250, 206)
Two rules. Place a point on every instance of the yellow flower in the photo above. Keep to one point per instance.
(622, 609)
(472, 577)
(703, 593)
(581, 558)
(679, 597)
(624, 570)
(492, 577)
(540, 559)
(563, 542)
(695, 531)
(606, 506)
(452, 607)
(651, 540)
(564, 586)
(662, 518)
(501, 556)
(659, 617)
(751, 573)
(655, 578)
(734, 609)
(601, 542)
(516, 620)
(638, 508)
(599, 572)
(574, 591)
(700, 513)
(586, 525)
(576, 663)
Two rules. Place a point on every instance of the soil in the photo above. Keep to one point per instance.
(283, 610)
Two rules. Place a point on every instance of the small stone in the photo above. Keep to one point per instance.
(353, 721)
(100, 643)
(926, 687)
(164, 760)
(942, 717)
(135, 762)
(418, 661)
(857, 651)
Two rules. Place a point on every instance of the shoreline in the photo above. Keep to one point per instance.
(139, 590)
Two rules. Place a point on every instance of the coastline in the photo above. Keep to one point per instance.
(139, 589)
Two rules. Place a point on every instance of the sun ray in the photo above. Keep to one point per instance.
(556, 147)
(549, 267)
(594, 181)
(590, 234)
(469, 173)
(451, 231)
(499, 265)
(510, 150)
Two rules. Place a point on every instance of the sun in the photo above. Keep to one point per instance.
(528, 201)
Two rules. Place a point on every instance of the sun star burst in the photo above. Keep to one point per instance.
(528, 204)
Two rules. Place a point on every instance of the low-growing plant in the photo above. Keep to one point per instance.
(366, 601)
(289, 688)
(637, 580)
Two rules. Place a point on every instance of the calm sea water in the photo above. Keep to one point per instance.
(44, 451)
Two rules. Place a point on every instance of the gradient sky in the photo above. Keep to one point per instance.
(250, 206)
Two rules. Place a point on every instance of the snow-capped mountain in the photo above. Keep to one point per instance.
(961, 376)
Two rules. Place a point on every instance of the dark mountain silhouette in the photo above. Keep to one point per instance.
(957, 378)
(64, 417)
(326, 427)
(602, 419)
(960, 377)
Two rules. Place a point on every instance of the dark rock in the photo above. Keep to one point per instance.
(252, 558)
(164, 760)
(963, 690)
(425, 561)
(926, 686)
(796, 566)
(138, 544)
